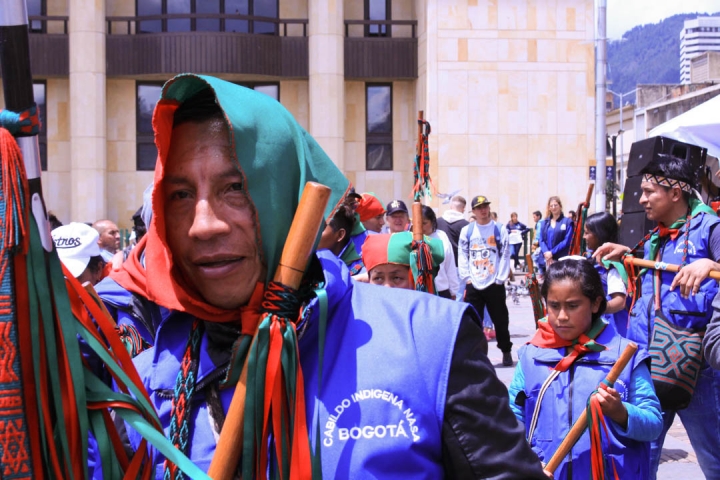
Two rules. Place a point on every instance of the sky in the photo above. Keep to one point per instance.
(623, 15)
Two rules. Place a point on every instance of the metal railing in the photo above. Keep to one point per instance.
(39, 23)
(131, 23)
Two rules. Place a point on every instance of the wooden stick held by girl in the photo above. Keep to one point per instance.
(569, 356)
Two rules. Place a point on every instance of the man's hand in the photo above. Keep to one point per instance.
(692, 275)
(362, 277)
(547, 255)
(611, 251)
(612, 406)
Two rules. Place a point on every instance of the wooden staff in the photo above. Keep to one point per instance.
(588, 197)
(642, 263)
(290, 271)
(419, 146)
(580, 424)
(417, 227)
(529, 264)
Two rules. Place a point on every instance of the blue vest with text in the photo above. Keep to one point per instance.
(693, 312)
(382, 392)
(565, 401)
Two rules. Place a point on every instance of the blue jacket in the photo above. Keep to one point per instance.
(559, 242)
(566, 399)
(385, 370)
(694, 312)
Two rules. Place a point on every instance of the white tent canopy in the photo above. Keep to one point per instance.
(698, 126)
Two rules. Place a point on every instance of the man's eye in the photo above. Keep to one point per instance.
(179, 195)
(237, 186)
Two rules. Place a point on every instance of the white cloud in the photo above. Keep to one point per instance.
(623, 15)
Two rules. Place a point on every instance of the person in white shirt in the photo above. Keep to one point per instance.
(484, 266)
(446, 281)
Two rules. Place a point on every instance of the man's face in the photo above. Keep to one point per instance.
(208, 216)
(375, 224)
(110, 237)
(658, 202)
(398, 222)
(482, 213)
(536, 217)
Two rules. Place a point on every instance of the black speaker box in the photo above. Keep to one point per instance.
(631, 195)
(642, 152)
(633, 227)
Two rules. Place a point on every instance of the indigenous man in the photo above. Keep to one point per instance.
(404, 391)
(688, 236)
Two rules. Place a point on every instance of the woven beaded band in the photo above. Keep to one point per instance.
(667, 182)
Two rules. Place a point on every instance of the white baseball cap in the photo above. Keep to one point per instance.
(76, 243)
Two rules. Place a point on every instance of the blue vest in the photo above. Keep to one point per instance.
(384, 381)
(694, 312)
(565, 401)
(385, 369)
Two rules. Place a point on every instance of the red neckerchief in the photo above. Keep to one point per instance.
(545, 337)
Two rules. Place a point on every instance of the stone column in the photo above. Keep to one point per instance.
(87, 110)
(327, 76)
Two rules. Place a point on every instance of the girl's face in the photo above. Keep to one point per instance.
(591, 240)
(391, 275)
(513, 218)
(427, 226)
(569, 311)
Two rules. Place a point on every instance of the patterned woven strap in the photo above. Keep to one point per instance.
(25, 123)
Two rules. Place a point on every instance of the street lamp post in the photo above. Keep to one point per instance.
(620, 132)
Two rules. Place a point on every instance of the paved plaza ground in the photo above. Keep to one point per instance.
(678, 458)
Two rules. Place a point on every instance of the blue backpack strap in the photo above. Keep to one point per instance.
(468, 234)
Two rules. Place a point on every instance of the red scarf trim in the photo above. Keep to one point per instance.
(546, 337)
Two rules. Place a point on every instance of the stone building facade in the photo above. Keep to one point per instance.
(507, 85)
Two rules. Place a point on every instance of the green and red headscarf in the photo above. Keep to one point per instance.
(396, 248)
(276, 157)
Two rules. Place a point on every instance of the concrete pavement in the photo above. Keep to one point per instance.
(678, 459)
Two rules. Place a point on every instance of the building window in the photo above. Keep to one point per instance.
(36, 8)
(378, 129)
(260, 8)
(269, 89)
(39, 94)
(147, 96)
(377, 10)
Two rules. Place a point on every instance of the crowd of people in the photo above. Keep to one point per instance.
(397, 382)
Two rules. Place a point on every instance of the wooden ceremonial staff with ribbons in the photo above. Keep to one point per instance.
(577, 247)
(421, 261)
(289, 274)
(422, 185)
(531, 283)
(642, 263)
(581, 424)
